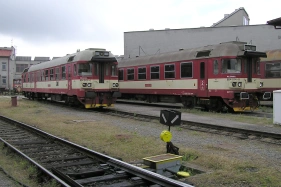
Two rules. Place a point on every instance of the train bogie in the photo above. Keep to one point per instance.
(88, 77)
(214, 77)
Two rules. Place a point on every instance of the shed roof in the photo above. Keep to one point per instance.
(275, 22)
(23, 58)
(5, 52)
(43, 59)
(229, 15)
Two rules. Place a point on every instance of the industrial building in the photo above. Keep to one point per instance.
(233, 27)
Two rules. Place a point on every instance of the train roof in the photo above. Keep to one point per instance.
(85, 55)
(272, 55)
(232, 48)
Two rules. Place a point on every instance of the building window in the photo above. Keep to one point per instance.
(245, 21)
(130, 74)
(216, 67)
(186, 70)
(142, 73)
(4, 68)
(21, 67)
(57, 73)
(154, 72)
(169, 71)
(121, 74)
(4, 80)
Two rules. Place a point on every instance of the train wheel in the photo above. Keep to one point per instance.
(188, 102)
(216, 105)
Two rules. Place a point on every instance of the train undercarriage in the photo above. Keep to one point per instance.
(216, 104)
(96, 100)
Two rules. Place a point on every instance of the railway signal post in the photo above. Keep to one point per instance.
(170, 118)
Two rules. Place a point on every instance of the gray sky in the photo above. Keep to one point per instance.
(59, 27)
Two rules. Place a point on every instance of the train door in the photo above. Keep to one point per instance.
(203, 80)
(69, 77)
(101, 72)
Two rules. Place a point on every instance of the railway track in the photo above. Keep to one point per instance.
(73, 165)
(270, 137)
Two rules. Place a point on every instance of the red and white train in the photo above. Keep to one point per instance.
(271, 71)
(214, 77)
(88, 77)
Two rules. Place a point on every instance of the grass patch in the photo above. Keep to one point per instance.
(21, 170)
(130, 146)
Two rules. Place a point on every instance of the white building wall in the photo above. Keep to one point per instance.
(142, 43)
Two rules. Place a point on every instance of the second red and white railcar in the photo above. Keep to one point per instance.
(88, 77)
(271, 72)
(215, 77)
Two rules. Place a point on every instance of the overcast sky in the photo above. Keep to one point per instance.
(59, 27)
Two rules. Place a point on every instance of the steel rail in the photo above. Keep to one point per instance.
(145, 174)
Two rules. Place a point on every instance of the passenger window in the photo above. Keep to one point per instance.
(154, 72)
(114, 70)
(57, 73)
(216, 67)
(130, 74)
(142, 73)
(169, 71)
(46, 75)
(63, 74)
(186, 70)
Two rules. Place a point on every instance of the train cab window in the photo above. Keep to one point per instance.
(114, 70)
(154, 72)
(231, 65)
(216, 67)
(169, 71)
(46, 75)
(85, 69)
(256, 65)
(272, 70)
(142, 73)
(186, 70)
(96, 69)
(63, 74)
(57, 73)
(69, 72)
(130, 74)
(51, 74)
(121, 74)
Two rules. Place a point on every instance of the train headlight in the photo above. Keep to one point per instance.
(233, 84)
(239, 84)
(89, 84)
(261, 84)
(84, 84)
